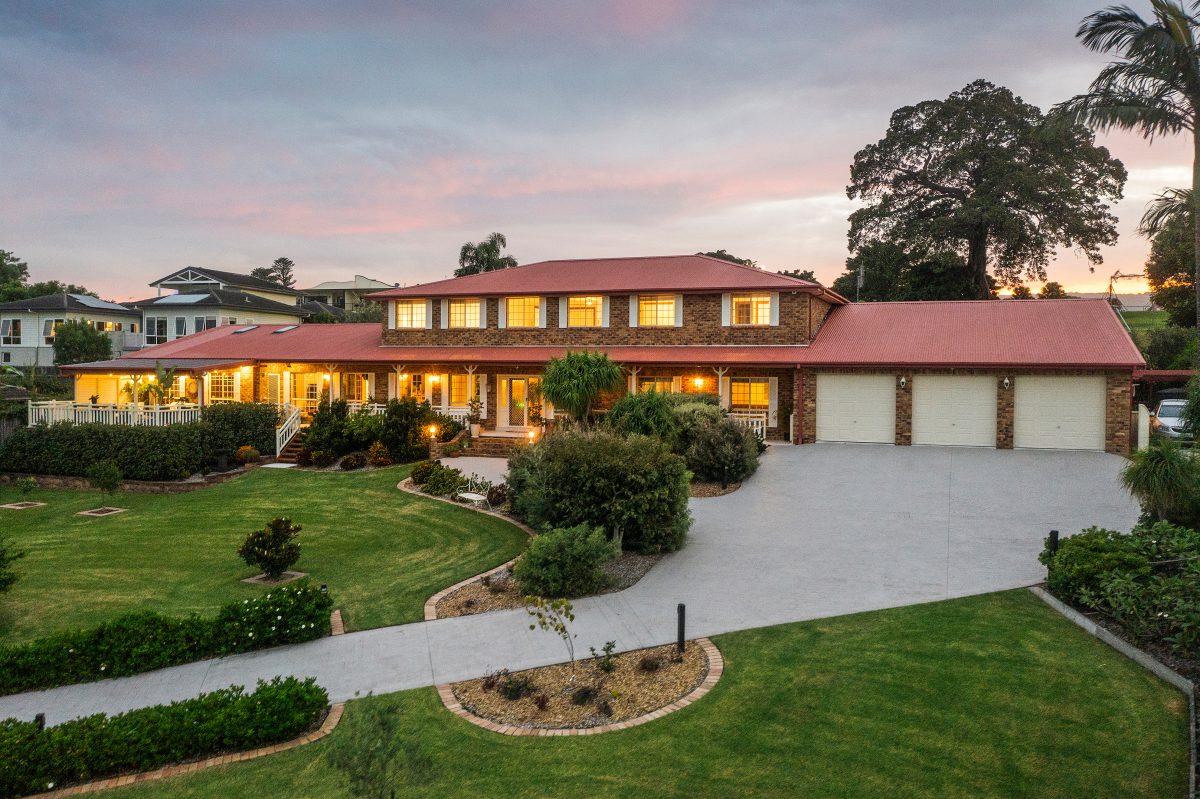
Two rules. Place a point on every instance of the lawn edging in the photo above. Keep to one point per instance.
(716, 667)
(331, 720)
(1143, 659)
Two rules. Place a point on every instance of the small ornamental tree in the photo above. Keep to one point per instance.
(575, 381)
(75, 341)
(274, 548)
(105, 477)
(552, 615)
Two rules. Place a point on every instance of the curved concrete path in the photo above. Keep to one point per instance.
(821, 530)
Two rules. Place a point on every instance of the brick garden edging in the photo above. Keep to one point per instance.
(134, 486)
(331, 720)
(1143, 659)
(716, 666)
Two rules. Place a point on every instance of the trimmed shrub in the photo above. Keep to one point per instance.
(378, 455)
(566, 562)
(323, 458)
(444, 482)
(141, 453)
(362, 429)
(722, 451)
(649, 414)
(105, 477)
(1085, 559)
(327, 432)
(355, 460)
(304, 457)
(144, 641)
(404, 429)
(227, 720)
(634, 487)
(247, 454)
(420, 472)
(273, 548)
(230, 425)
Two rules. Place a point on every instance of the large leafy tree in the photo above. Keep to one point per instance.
(15, 285)
(1153, 87)
(280, 271)
(76, 341)
(988, 176)
(484, 256)
(730, 257)
(13, 269)
(575, 382)
(891, 273)
(1171, 267)
(801, 274)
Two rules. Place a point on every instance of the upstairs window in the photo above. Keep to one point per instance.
(156, 329)
(585, 311)
(10, 331)
(49, 328)
(410, 314)
(463, 313)
(180, 326)
(656, 310)
(750, 309)
(205, 323)
(522, 311)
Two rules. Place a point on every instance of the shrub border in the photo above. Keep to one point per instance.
(72, 482)
(331, 720)
(1143, 659)
(716, 667)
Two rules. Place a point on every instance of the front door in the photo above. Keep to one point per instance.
(517, 395)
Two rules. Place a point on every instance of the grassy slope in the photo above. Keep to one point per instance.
(992, 696)
(382, 552)
(1145, 320)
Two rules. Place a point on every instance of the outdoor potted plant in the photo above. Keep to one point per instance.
(95, 399)
(474, 415)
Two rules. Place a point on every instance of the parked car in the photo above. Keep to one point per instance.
(1168, 419)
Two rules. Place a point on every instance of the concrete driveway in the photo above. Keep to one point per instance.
(820, 530)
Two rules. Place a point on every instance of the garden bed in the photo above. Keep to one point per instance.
(559, 697)
(498, 591)
(700, 490)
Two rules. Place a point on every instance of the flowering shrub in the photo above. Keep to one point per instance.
(247, 454)
(378, 455)
(144, 641)
(100, 746)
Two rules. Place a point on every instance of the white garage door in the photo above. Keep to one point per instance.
(954, 409)
(856, 408)
(1059, 412)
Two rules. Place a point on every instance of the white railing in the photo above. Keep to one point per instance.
(53, 411)
(289, 426)
(373, 408)
(755, 420)
(457, 414)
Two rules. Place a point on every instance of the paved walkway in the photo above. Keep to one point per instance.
(821, 530)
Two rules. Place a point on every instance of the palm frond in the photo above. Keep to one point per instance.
(1170, 205)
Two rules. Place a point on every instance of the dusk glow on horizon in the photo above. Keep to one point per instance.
(377, 138)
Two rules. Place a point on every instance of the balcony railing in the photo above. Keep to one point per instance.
(53, 411)
(755, 420)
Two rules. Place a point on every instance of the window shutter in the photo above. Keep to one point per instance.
(773, 402)
(676, 384)
(237, 386)
(501, 313)
(428, 314)
(391, 315)
(724, 385)
(206, 391)
(483, 395)
(287, 388)
(562, 312)
(443, 311)
(392, 385)
(335, 386)
(775, 311)
(725, 305)
(633, 310)
(604, 312)
(370, 388)
(678, 310)
(428, 386)
(483, 303)
(542, 311)
(444, 382)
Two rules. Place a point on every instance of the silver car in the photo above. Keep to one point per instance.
(1168, 419)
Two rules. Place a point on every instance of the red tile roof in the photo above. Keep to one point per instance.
(675, 273)
(1028, 333)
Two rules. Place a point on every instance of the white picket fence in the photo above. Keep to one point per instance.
(53, 411)
(755, 420)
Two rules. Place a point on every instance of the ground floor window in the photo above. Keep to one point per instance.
(307, 386)
(460, 390)
(662, 385)
(357, 387)
(749, 393)
(221, 387)
(410, 386)
(10, 331)
(49, 328)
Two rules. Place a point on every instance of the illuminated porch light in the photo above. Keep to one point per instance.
(432, 430)
(698, 382)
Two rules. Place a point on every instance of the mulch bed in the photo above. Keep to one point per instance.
(500, 592)
(284, 579)
(628, 691)
(711, 489)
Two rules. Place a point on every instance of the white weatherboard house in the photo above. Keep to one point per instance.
(208, 298)
(345, 294)
(27, 327)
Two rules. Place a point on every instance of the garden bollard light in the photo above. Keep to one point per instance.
(1053, 541)
(324, 588)
(40, 721)
(682, 611)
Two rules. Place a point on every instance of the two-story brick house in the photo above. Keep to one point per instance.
(787, 357)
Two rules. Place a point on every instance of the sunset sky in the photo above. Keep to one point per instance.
(375, 138)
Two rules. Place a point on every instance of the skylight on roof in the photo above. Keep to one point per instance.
(284, 329)
(245, 329)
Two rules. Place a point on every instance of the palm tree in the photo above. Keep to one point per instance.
(1165, 479)
(1154, 87)
(484, 257)
(575, 381)
(1172, 204)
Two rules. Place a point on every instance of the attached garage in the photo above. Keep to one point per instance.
(954, 410)
(857, 408)
(1059, 412)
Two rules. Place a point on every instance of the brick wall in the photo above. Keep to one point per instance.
(701, 326)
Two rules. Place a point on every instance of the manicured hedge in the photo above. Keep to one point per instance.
(403, 429)
(172, 452)
(143, 641)
(95, 747)
(566, 562)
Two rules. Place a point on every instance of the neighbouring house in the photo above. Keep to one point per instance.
(788, 358)
(208, 298)
(27, 327)
(345, 294)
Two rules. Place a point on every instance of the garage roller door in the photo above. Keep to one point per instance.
(860, 408)
(1059, 412)
(954, 409)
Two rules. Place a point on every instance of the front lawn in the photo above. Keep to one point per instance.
(992, 696)
(381, 551)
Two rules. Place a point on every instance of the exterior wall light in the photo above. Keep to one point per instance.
(532, 435)
(698, 382)
(1007, 383)
(903, 381)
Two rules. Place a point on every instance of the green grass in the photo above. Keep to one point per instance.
(1145, 320)
(992, 696)
(381, 551)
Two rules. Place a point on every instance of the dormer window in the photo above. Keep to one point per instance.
(522, 311)
(750, 309)
(584, 311)
(410, 314)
